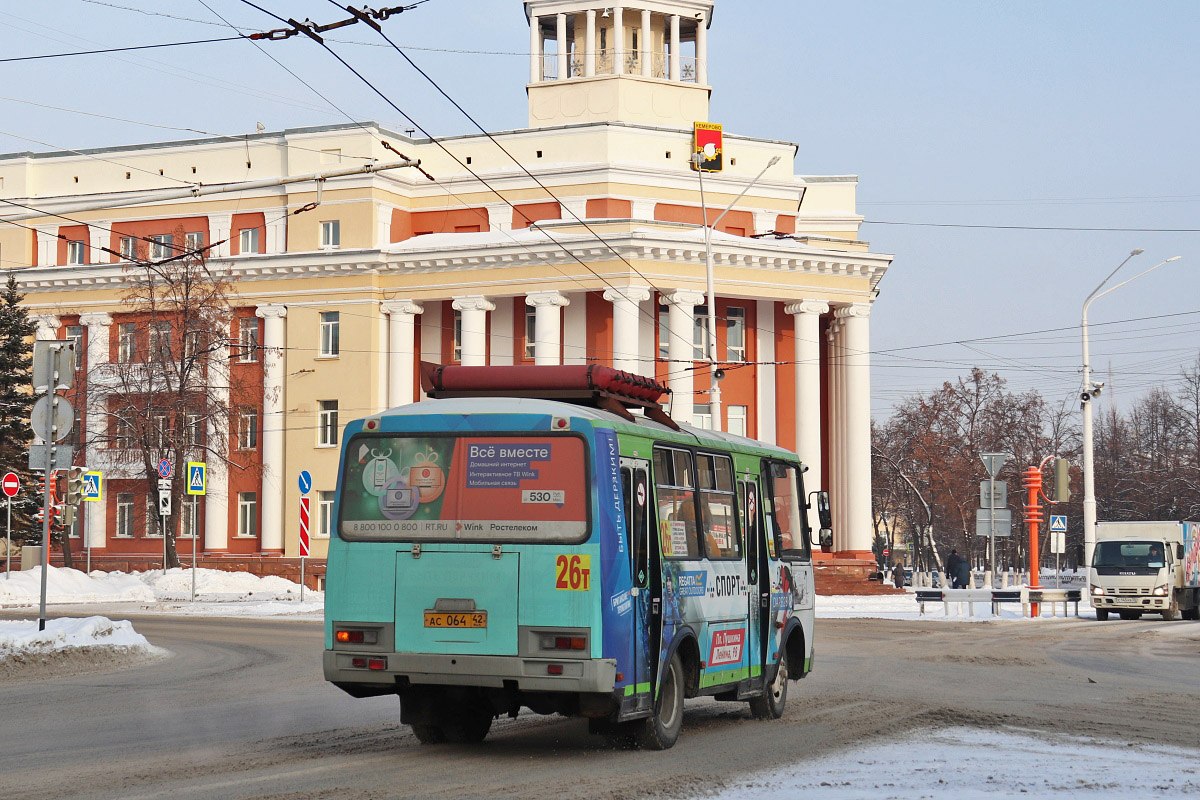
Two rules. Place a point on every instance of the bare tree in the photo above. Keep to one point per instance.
(168, 394)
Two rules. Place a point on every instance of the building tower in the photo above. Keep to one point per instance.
(644, 63)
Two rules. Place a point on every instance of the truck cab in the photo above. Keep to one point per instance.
(1141, 567)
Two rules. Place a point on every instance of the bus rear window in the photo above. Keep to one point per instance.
(524, 488)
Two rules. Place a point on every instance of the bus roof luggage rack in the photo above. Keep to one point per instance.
(588, 385)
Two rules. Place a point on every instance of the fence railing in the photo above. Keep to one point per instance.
(660, 66)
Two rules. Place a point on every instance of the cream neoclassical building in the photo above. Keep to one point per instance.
(579, 241)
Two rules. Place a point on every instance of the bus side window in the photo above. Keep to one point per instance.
(749, 516)
(641, 529)
(675, 498)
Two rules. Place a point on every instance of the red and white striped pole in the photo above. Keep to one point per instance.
(303, 540)
(1033, 515)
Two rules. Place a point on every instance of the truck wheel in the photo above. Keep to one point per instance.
(770, 704)
(1170, 612)
(1101, 614)
(429, 734)
(661, 729)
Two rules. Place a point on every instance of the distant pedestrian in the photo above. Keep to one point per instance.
(962, 578)
(898, 576)
(952, 562)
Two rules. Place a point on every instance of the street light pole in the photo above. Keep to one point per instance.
(714, 370)
(1090, 390)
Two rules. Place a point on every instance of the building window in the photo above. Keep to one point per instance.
(124, 516)
(160, 340)
(162, 246)
(75, 334)
(702, 416)
(161, 431)
(189, 516)
(331, 334)
(248, 430)
(195, 241)
(129, 247)
(736, 420)
(192, 430)
(663, 332)
(124, 432)
(194, 344)
(126, 342)
(247, 340)
(248, 240)
(247, 514)
(457, 349)
(327, 423)
(324, 514)
(700, 334)
(76, 253)
(530, 331)
(735, 333)
(331, 233)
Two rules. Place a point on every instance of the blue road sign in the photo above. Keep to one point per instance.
(197, 475)
(92, 481)
(1058, 523)
(305, 481)
(164, 469)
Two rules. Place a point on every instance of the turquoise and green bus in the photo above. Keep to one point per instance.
(525, 540)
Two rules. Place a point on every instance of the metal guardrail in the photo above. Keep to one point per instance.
(1024, 595)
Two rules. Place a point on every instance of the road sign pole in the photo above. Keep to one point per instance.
(302, 560)
(8, 544)
(992, 527)
(162, 528)
(195, 535)
(50, 443)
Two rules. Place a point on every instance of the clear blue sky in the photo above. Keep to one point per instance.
(1058, 114)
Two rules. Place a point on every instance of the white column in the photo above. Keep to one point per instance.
(383, 226)
(626, 317)
(647, 51)
(702, 51)
(274, 368)
(564, 64)
(47, 327)
(643, 209)
(276, 235)
(99, 236)
(833, 431)
(675, 59)
(402, 329)
(764, 332)
(618, 46)
(647, 336)
(220, 228)
(47, 245)
(474, 329)
(857, 357)
(547, 328)
(572, 208)
(764, 221)
(589, 44)
(98, 326)
(681, 352)
(503, 348)
(216, 495)
(535, 49)
(807, 336)
(575, 350)
(500, 216)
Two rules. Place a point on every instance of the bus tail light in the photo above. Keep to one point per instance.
(554, 669)
(357, 637)
(564, 642)
(377, 663)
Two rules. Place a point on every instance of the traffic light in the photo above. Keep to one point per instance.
(56, 521)
(75, 485)
(1062, 480)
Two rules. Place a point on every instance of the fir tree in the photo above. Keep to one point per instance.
(16, 402)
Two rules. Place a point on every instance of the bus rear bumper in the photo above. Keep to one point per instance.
(595, 675)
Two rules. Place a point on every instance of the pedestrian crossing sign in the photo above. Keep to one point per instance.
(197, 475)
(92, 482)
(1058, 523)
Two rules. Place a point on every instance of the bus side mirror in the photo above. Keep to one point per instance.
(823, 513)
(826, 539)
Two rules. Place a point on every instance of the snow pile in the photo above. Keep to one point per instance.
(958, 763)
(21, 637)
(905, 606)
(72, 586)
(217, 591)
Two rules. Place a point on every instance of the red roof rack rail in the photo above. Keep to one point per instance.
(589, 385)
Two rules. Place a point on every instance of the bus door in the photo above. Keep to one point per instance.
(757, 576)
(792, 576)
(644, 644)
(725, 641)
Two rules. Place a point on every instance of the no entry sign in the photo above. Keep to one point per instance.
(11, 484)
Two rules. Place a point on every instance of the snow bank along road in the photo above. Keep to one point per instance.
(240, 711)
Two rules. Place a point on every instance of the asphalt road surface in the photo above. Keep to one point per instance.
(240, 710)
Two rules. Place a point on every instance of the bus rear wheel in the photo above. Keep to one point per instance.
(774, 697)
(466, 724)
(661, 729)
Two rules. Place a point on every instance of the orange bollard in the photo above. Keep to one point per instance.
(1033, 515)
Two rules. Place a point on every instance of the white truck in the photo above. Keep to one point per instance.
(1141, 567)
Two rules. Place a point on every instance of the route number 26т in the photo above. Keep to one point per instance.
(574, 573)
